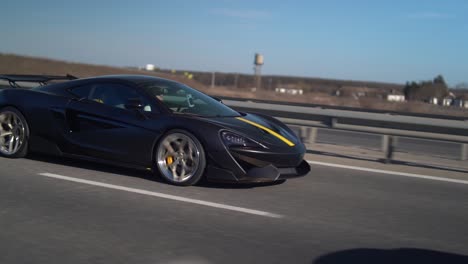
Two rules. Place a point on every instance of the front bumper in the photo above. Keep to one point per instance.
(267, 173)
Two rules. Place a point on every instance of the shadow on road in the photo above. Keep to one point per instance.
(143, 174)
(223, 185)
(392, 256)
(90, 165)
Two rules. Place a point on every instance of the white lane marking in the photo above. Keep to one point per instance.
(435, 178)
(165, 196)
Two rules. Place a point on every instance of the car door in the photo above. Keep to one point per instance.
(100, 126)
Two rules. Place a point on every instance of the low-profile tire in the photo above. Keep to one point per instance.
(180, 158)
(14, 133)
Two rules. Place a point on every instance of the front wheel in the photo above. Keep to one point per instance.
(180, 158)
(14, 133)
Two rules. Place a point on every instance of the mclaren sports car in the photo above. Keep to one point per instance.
(179, 133)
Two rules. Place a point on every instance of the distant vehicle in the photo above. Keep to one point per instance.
(145, 122)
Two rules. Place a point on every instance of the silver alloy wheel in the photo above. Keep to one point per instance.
(12, 133)
(178, 157)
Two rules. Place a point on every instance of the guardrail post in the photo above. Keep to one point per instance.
(388, 148)
(313, 135)
(304, 134)
(384, 143)
(308, 135)
(333, 122)
(464, 152)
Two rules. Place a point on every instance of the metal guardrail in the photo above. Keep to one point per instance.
(387, 125)
(347, 108)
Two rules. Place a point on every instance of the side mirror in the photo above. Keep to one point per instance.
(217, 99)
(134, 104)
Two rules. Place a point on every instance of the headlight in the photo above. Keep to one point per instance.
(233, 140)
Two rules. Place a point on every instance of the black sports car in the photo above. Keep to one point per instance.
(145, 122)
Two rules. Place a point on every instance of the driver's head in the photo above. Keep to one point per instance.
(158, 92)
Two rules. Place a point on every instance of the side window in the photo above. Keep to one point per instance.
(116, 95)
(174, 97)
(81, 91)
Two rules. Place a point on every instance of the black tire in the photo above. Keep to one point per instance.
(189, 155)
(22, 149)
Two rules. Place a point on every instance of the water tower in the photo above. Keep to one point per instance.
(258, 62)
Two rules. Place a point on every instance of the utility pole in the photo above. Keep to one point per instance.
(213, 77)
(236, 77)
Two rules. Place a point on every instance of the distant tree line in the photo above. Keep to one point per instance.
(426, 90)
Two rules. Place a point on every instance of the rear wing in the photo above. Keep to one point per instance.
(13, 79)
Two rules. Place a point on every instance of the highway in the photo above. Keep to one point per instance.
(55, 210)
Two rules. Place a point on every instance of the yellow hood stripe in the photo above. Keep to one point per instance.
(285, 140)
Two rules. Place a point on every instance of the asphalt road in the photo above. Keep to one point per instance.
(331, 216)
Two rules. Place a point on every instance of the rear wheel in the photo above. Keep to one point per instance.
(180, 158)
(14, 133)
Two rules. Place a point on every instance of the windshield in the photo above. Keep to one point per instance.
(180, 98)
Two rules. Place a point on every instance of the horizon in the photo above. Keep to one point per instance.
(394, 42)
(142, 67)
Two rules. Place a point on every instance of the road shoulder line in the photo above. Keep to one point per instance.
(404, 174)
(164, 196)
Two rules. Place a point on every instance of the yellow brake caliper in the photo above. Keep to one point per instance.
(169, 160)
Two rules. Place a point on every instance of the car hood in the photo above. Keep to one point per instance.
(267, 131)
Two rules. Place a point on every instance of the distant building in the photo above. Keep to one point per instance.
(395, 97)
(459, 103)
(289, 91)
(149, 67)
(434, 100)
(447, 101)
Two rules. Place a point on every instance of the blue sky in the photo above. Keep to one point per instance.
(393, 41)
